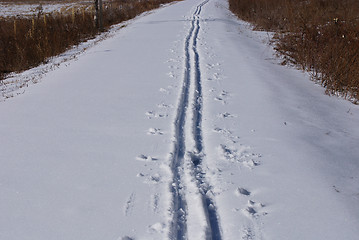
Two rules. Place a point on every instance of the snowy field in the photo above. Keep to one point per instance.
(180, 125)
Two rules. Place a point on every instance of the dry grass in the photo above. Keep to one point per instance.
(25, 43)
(321, 36)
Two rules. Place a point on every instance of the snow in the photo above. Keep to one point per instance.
(180, 125)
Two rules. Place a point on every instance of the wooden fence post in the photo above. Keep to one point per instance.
(101, 16)
(96, 14)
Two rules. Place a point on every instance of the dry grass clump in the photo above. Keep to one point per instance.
(27, 42)
(321, 36)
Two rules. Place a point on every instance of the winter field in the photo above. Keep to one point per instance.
(179, 124)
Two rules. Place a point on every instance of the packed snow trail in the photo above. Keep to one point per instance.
(192, 74)
(180, 125)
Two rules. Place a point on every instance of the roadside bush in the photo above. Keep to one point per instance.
(321, 36)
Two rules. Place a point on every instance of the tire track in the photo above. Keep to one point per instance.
(178, 229)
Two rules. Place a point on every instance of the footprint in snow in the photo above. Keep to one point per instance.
(210, 66)
(154, 131)
(221, 100)
(216, 76)
(239, 154)
(228, 153)
(165, 91)
(154, 202)
(126, 238)
(153, 179)
(145, 158)
(226, 133)
(222, 131)
(157, 228)
(171, 60)
(254, 209)
(165, 106)
(248, 234)
(224, 93)
(153, 114)
(251, 163)
(212, 90)
(225, 115)
(171, 74)
(242, 192)
(129, 204)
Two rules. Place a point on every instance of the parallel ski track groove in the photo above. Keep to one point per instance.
(213, 230)
(178, 229)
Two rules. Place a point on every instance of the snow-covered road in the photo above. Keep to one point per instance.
(182, 125)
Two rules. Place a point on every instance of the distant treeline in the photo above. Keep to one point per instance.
(28, 42)
(321, 36)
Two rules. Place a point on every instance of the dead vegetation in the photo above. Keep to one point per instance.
(321, 36)
(28, 42)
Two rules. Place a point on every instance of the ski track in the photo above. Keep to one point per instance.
(192, 68)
